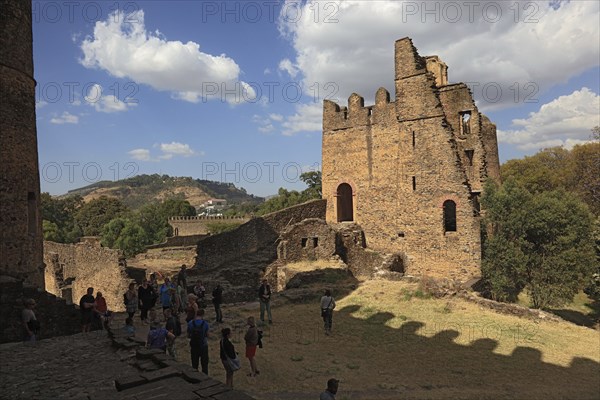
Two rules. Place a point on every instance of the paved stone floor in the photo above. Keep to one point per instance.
(66, 367)
(99, 366)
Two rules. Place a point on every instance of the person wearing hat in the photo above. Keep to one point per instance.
(30, 323)
(330, 392)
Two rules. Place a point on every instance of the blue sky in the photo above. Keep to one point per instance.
(232, 91)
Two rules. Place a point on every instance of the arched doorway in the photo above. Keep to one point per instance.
(449, 216)
(345, 211)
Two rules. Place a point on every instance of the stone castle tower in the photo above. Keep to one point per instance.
(411, 171)
(20, 222)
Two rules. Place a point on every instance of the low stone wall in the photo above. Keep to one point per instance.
(179, 241)
(72, 268)
(192, 226)
(255, 234)
(56, 317)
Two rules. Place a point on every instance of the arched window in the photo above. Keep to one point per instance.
(449, 216)
(344, 203)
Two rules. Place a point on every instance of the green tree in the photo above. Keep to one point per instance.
(93, 215)
(59, 213)
(125, 234)
(313, 181)
(51, 231)
(541, 242)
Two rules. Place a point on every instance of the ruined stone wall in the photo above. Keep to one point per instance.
(179, 241)
(403, 160)
(21, 233)
(56, 317)
(190, 226)
(308, 240)
(258, 233)
(72, 268)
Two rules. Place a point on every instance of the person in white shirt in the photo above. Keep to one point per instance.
(327, 306)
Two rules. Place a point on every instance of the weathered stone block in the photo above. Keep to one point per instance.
(147, 353)
(127, 382)
(159, 374)
(213, 390)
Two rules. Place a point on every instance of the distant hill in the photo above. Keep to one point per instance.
(141, 189)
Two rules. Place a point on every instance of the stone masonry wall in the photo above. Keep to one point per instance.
(56, 317)
(189, 226)
(72, 268)
(21, 233)
(254, 235)
(403, 160)
(308, 240)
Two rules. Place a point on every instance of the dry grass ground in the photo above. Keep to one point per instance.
(390, 342)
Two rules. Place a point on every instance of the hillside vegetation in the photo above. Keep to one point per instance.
(136, 191)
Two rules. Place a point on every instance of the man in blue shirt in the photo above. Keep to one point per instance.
(165, 294)
(197, 331)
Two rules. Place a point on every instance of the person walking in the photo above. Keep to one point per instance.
(217, 300)
(264, 295)
(331, 391)
(31, 325)
(198, 331)
(327, 306)
(147, 298)
(86, 306)
(251, 339)
(132, 300)
(229, 357)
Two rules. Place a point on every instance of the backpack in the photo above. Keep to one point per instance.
(260, 336)
(197, 334)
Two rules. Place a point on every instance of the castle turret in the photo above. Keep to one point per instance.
(20, 222)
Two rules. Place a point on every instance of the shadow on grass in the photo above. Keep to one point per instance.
(591, 319)
(437, 363)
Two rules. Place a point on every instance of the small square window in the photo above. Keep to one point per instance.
(315, 241)
(304, 241)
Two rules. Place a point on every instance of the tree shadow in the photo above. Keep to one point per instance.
(591, 319)
(419, 357)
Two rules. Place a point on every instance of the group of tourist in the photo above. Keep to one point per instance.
(174, 299)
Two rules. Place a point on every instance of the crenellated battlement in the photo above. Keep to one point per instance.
(206, 218)
(356, 114)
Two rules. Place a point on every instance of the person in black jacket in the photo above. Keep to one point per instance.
(227, 351)
(147, 298)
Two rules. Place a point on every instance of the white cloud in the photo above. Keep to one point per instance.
(287, 66)
(306, 119)
(565, 121)
(168, 151)
(356, 52)
(105, 103)
(40, 104)
(128, 50)
(140, 154)
(65, 118)
(265, 125)
(267, 71)
(176, 148)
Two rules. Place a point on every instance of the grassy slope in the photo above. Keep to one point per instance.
(388, 344)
